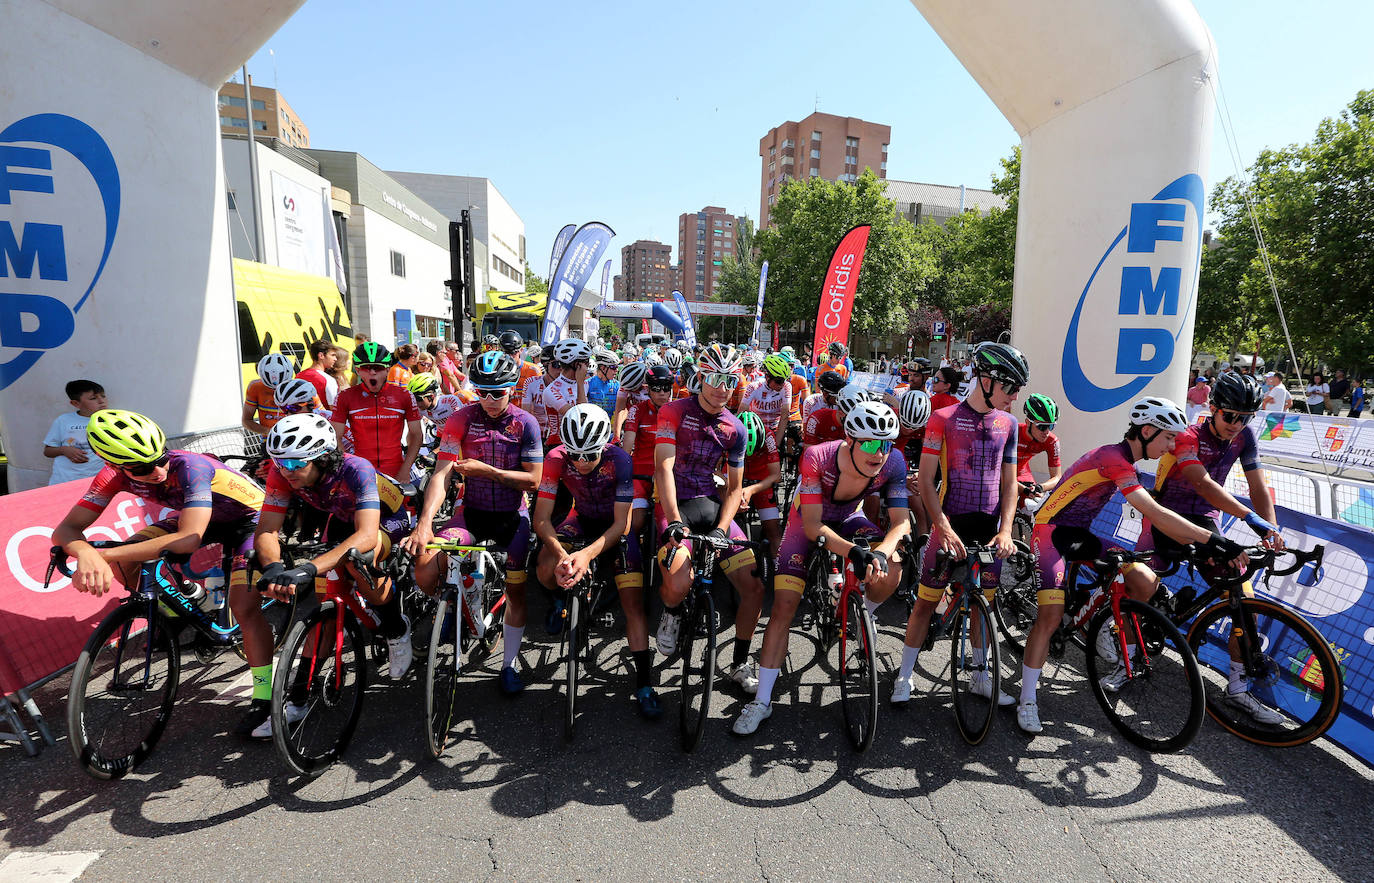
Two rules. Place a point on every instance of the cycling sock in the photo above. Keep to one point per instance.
(510, 638)
(872, 607)
(909, 655)
(767, 678)
(643, 661)
(741, 653)
(393, 626)
(979, 656)
(1030, 677)
(1236, 681)
(262, 681)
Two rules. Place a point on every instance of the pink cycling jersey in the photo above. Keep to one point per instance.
(1197, 444)
(701, 439)
(507, 442)
(820, 474)
(972, 448)
(1088, 485)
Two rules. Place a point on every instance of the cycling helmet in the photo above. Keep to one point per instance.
(423, 383)
(570, 350)
(871, 420)
(837, 350)
(511, 342)
(296, 391)
(913, 408)
(1162, 413)
(301, 437)
(652, 358)
(494, 370)
(1040, 408)
(789, 352)
(371, 353)
(753, 432)
(777, 366)
(275, 368)
(719, 357)
(584, 429)
(1236, 392)
(660, 376)
(125, 438)
(490, 341)
(673, 359)
(831, 382)
(632, 376)
(752, 360)
(1001, 361)
(851, 395)
(691, 379)
(546, 353)
(604, 358)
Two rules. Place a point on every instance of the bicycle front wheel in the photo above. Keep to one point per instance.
(1015, 607)
(572, 658)
(973, 658)
(698, 643)
(122, 691)
(1154, 697)
(857, 670)
(317, 690)
(441, 672)
(1295, 680)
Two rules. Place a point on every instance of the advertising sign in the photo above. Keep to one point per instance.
(837, 292)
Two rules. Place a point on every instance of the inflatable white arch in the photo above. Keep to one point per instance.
(1114, 109)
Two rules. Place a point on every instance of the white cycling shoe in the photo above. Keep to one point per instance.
(1247, 703)
(1028, 717)
(750, 717)
(983, 687)
(399, 653)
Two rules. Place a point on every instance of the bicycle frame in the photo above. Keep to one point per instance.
(470, 557)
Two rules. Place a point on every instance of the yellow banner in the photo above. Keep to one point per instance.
(515, 300)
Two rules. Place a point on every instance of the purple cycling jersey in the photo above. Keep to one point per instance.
(1088, 485)
(355, 485)
(596, 493)
(701, 440)
(820, 473)
(972, 448)
(193, 480)
(1197, 444)
(507, 442)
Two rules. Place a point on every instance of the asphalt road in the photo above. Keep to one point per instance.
(514, 801)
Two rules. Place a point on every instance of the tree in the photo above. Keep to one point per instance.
(534, 284)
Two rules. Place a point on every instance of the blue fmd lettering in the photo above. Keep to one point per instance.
(1148, 227)
(1140, 294)
(40, 244)
(1130, 350)
(1151, 224)
(53, 322)
(25, 158)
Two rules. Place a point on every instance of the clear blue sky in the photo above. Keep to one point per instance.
(633, 112)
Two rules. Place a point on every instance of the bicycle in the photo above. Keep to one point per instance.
(587, 603)
(838, 616)
(699, 621)
(1291, 667)
(129, 670)
(1014, 605)
(476, 574)
(1152, 690)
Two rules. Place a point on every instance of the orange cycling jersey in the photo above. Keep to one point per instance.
(799, 391)
(264, 402)
(399, 375)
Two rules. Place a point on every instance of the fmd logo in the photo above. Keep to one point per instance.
(1138, 313)
(59, 209)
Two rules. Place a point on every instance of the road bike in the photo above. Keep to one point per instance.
(588, 604)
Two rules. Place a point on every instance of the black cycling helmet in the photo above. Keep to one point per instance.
(1236, 392)
(660, 376)
(511, 342)
(546, 353)
(371, 353)
(831, 382)
(1001, 361)
(494, 370)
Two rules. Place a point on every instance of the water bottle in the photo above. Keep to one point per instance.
(834, 581)
(473, 586)
(212, 594)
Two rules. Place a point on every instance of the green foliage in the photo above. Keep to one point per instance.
(534, 284)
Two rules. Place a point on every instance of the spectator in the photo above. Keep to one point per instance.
(341, 373)
(424, 364)
(66, 443)
(445, 357)
(1276, 394)
(322, 357)
(1357, 397)
(1340, 390)
(1197, 398)
(1317, 393)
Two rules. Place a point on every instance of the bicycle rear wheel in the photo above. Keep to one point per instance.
(322, 675)
(1015, 607)
(493, 616)
(856, 667)
(698, 643)
(572, 659)
(441, 672)
(122, 691)
(973, 656)
(1295, 674)
(1159, 704)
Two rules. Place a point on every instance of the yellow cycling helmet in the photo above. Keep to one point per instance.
(422, 383)
(125, 438)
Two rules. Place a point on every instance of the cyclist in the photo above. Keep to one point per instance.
(836, 362)
(296, 396)
(210, 503)
(771, 397)
(640, 432)
(529, 396)
(693, 435)
(632, 391)
(971, 448)
(512, 345)
(260, 409)
(572, 356)
(762, 471)
(603, 390)
(490, 342)
(377, 413)
(913, 412)
(835, 477)
(598, 475)
(403, 364)
(1191, 482)
(821, 420)
(496, 448)
(1062, 531)
(1037, 436)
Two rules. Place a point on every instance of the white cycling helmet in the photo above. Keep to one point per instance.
(752, 359)
(652, 358)
(533, 353)
(673, 359)
(851, 396)
(275, 368)
(570, 350)
(632, 376)
(1158, 412)
(871, 420)
(584, 429)
(301, 437)
(913, 408)
(296, 391)
(604, 357)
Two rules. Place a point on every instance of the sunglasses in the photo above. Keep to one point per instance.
(492, 393)
(660, 387)
(1043, 427)
(582, 458)
(1010, 387)
(720, 378)
(1235, 416)
(290, 464)
(875, 446)
(371, 367)
(138, 470)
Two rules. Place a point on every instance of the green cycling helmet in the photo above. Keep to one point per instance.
(371, 353)
(1040, 408)
(423, 383)
(125, 438)
(777, 366)
(753, 432)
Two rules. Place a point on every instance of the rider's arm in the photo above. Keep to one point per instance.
(899, 526)
(771, 479)
(1178, 528)
(266, 539)
(1010, 494)
(191, 525)
(620, 526)
(415, 434)
(249, 411)
(1218, 496)
(665, 454)
(930, 497)
(435, 492)
(729, 501)
(1259, 495)
(366, 523)
(1056, 473)
(543, 525)
(621, 410)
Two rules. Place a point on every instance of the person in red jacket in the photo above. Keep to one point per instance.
(378, 414)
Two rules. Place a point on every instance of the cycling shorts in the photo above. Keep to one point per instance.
(510, 530)
(795, 547)
(392, 529)
(235, 538)
(644, 492)
(1057, 545)
(972, 528)
(701, 515)
(765, 502)
(627, 567)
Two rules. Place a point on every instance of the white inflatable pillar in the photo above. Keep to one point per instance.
(1114, 109)
(114, 255)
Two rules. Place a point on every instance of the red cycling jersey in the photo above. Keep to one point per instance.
(642, 420)
(822, 425)
(1026, 448)
(377, 423)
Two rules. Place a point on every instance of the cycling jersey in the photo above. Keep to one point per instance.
(559, 396)
(531, 399)
(354, 486)
(507, 442)
(528, 371)
(910, 442)
(602, 393)
(318, 380)
(1198, 444)
(1088, 485)
(799, 390)
(377, 422)
(263, 399)
(193, 481)
(700, 440)
(819, 473)
(838, 369)
(642, 420)
(822, 425)
(594, 494)
(399, 375)
(757, 467)
(972, 448)
(770, 404)
(941, 400)
(1027, 447)
(812, 402)
(444, 406)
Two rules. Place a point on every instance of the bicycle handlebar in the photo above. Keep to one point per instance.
(58, 559)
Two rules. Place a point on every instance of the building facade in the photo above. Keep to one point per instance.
(272, 116)
(937, 203)
(704, 240)
(645, 270)
(822, 145)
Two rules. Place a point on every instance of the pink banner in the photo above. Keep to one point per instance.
(837, 293)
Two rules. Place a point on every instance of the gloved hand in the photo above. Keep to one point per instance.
(269, 574)
(300, 575)
(860, 558)
(1261, 527)
(675, 531)
(718, 537)
(1219, 548)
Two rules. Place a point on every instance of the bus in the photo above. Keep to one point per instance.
(525, 324)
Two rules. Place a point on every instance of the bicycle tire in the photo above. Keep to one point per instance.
(443, 664)
(1160, 707)
(698, 670)
(856, 667)
(973, 714)
(1298, 659)
(572, 658)
(1015, 608)
(333, 697)
(493, 615)
(117, 641)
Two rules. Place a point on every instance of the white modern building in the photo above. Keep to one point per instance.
(293, 201)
